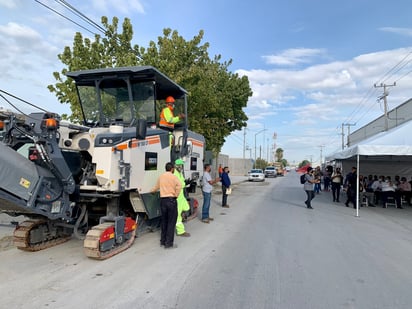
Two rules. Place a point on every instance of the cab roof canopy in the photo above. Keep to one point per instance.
(164, 85)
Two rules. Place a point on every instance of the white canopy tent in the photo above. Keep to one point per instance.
(387, 153)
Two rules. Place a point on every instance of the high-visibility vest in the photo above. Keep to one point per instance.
(167, 119)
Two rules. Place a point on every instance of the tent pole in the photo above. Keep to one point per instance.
(357, 185)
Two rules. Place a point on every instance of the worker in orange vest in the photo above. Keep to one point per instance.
(220, 170)
(167, 118)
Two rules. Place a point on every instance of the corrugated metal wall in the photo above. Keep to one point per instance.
(396, 117)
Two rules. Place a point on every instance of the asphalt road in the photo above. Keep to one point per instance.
(266, 251)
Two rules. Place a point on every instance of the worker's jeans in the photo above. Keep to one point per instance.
(206, 204)
(310, 195)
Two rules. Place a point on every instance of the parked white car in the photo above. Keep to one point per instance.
(256, 175)
(270, 171)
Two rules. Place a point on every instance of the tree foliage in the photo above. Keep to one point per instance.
(303, 163)
(216, 95)
(279, 154)
(261, 163)
(284, 162)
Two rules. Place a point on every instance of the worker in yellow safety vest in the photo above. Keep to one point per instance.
(167, 118)
(182, 204)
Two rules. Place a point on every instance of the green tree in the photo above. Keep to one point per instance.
(261, 163)
(216, 95)
(279, 154)
(303, 163)
(113, 50)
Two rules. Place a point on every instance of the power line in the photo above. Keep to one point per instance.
(383, 79)
(20, 99)
(82, 16)
(65, 17)
(395, 69)
(360, 106)
(403, 76)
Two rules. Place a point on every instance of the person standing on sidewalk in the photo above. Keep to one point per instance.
(317, 173)
(225, 185)
(170, 187)
(350, 187)
(207, 182)
(310, 180)
(337, 180)
(220, 170)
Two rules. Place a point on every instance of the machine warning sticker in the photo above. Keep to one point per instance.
(24, 183)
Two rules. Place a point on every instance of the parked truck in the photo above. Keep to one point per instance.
(92, 179)
(279, 168)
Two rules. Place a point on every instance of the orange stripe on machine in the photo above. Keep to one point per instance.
(133, 143)
(153, 140)
(136, 143)
(196, 142)
(119, 147)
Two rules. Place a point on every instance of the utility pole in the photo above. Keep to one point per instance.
(310, 158)
(321, 149)
(255, 143)
(385, 103)
(343, 134)
(244, 150)
(274, 137)
(244, 143)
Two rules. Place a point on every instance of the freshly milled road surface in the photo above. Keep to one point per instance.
(266, 251)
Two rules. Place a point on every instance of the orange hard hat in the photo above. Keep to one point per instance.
(170, 99)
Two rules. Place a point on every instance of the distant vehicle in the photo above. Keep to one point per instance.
(270, 171)
(279, 168)
(256, 175)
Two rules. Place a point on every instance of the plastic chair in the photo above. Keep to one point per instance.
(365, 198)
(390, 201)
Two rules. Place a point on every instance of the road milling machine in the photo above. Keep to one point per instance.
(93, 180)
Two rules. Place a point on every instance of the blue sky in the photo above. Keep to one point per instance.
(312, 65)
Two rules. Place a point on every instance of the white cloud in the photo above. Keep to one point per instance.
(336, 79)
(22, 42)
(294, 56)
(401, 31)
(10, 4)
(27, 63)
(124, 7)
(326, 95)
(19, 31)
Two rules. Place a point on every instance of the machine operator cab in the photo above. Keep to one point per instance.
(131, 97)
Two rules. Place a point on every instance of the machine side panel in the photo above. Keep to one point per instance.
(152, 205)
(18, 175)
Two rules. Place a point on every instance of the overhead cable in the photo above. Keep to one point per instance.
(20, 99)
(82, 16)
(65, 17)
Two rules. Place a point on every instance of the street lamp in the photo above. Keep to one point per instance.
(255, 145)
(250, 152)
(250, 157)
